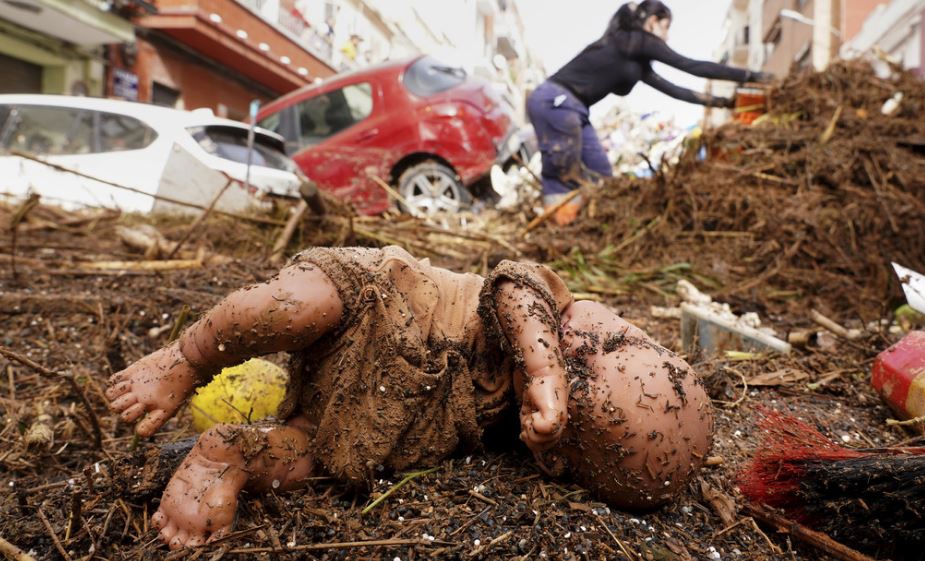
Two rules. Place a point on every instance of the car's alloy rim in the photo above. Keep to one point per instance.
(432, 192)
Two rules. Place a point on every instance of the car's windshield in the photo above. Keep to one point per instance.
(230, 143)
(427, 76)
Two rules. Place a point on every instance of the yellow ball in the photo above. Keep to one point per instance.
(240, 394)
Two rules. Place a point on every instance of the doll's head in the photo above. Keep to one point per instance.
(640, 422)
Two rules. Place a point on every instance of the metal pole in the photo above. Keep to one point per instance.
(254, 107)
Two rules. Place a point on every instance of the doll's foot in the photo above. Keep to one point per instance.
(200, 500)
(155, 387)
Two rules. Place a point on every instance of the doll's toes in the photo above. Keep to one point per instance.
(219, 534)
(168, 532)
(179, 540)
(152, 421)
(159, 520)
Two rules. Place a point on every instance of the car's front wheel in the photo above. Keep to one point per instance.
(429, 188)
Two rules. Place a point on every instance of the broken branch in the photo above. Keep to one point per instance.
(813, 538)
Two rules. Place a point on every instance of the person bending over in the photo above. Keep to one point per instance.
(559, 107)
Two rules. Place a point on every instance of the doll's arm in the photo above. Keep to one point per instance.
(528, 324)
(286, 313)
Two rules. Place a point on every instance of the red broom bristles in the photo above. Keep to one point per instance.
(777, 468)
(871, 498)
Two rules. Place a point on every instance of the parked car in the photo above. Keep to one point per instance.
(183, 155)
(429, 130)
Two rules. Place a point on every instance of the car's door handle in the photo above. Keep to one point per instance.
(371, 133)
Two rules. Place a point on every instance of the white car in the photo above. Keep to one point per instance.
(186, 156)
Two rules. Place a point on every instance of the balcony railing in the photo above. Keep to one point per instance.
(294, 26)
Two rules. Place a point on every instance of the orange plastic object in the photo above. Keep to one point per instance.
(750, 104)
(566, 214)
(899, 375)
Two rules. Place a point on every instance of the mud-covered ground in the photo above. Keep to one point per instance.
(802, 212)
(87, 324)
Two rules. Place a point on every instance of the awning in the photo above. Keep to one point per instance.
(216, 40)
(76, 21)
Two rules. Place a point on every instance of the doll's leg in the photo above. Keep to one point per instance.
(286, 313)
(200, 500)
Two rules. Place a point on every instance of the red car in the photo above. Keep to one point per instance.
(426, 128)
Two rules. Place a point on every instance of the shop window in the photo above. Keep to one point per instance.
(325, 115)
(121, 132)
(165, 96)
(51, 130)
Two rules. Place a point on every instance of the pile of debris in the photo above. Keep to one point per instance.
(813, 201)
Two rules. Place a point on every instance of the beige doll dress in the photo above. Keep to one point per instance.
(418, 366)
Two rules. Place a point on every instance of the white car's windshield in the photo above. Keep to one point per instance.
(230, 143)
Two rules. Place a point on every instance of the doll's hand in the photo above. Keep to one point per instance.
(543, 409)
(154, 386)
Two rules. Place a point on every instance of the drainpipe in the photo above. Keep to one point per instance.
(822, 34)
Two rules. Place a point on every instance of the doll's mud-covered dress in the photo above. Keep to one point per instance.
(418, 366)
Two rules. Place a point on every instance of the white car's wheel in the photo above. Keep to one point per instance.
(430, 188)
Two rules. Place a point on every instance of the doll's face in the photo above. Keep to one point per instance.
(640, 422)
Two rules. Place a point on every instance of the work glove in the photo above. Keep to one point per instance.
(760, 77)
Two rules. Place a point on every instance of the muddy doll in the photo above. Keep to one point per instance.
(396, 363)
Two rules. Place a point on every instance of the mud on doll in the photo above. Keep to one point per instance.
(396, 363)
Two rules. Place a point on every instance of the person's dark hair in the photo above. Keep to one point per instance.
(632, 16)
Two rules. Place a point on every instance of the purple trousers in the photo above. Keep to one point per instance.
(568, 143)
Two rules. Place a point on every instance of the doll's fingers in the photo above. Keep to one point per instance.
(547, 395)
(537, 446)
(546, 422)
(118, 377)
(152, 421)
(117, 390)
(537, 442)
(133, 412)
(543, 444)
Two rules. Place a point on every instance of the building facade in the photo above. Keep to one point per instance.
(777, 35)
(223, 54)
(893, 32)
(218, 54)
(57, 46)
